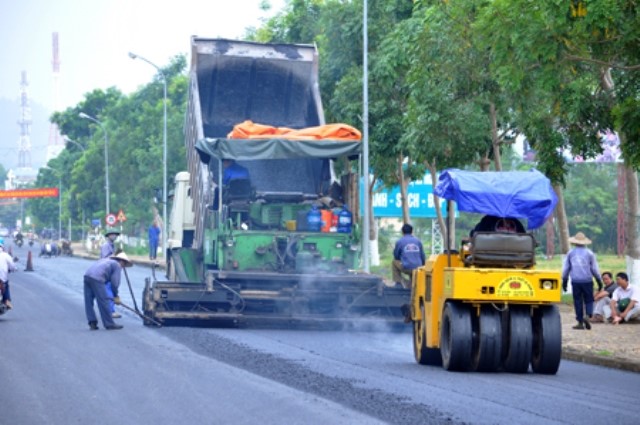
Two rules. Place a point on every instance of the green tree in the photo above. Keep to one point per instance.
(134, 125)
(572, 68)
(592, 203)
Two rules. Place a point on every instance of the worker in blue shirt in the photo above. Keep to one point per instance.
(581, 267)
(233, 171)
(104, 270)
(408, 255)
(154, 237)
(107, 249)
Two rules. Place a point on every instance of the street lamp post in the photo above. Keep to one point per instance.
(164, 150)
(106, 156)
(67, 140)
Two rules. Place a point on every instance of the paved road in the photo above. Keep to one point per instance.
(55, 370)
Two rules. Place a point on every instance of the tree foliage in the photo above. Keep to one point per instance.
(450, 85)
(134, 125)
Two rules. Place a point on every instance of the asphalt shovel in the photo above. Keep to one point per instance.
(135, 305)
(142, 316)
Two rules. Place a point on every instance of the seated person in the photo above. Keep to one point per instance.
(408, 255)
(233, 171)
(602, 298)
(625, 301)
(491, 223)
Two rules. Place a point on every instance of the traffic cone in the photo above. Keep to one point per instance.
(29, 263)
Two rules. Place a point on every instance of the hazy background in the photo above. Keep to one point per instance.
(94, 40)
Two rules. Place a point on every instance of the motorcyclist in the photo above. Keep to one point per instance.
(6, 265)
(19, 238)
(66, 247)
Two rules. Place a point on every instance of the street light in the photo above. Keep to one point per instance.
(164, 151)
(67, 140)
(106, 156)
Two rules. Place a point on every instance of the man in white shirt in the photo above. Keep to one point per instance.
(625, 301)
(602, 299)
(6, 265)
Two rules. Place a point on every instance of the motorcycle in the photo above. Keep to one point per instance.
(19, 242)
(66, 248)
(3, 308)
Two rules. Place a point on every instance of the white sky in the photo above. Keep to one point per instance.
(95, 37)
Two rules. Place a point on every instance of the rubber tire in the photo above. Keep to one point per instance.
(487, 340)
(519, 340)
(456, 337)
(146, 297)
(547, 340)
(423, 354)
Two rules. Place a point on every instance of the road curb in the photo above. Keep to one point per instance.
(612, 362)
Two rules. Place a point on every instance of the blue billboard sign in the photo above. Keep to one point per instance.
(387, 202)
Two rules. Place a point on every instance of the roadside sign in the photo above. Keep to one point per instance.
(42, 192)
(388, 202)
(110, 219)
(121, 217)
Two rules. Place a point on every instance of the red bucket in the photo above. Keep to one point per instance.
(327, 220)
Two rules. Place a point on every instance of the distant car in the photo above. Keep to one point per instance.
(4, 232)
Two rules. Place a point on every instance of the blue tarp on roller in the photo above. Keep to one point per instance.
(518, 194)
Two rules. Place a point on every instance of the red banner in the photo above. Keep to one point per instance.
(43, 192)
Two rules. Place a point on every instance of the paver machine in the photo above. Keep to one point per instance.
(486, 306)
(252, 249)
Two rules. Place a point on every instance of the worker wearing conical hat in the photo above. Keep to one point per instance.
(581, 267)
(107, 250)
(104, 270)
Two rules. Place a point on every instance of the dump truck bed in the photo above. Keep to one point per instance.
(246, 261)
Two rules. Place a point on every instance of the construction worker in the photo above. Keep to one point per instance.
(154, 237)
(233, 171)
(408, 255)
(108, 249)
(582, 267)
(104, 270)
(491, 223)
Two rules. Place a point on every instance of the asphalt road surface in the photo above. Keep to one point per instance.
(53, 370)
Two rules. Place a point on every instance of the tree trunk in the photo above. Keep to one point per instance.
(404, 184)
(372, 221)
(373, 231)
(495, 140)
(436, 201)
(374, 248)
(550, 238)
(484, 163)
(631, 227)
(563, 224)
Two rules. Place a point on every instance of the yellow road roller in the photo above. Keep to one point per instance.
(485, 306)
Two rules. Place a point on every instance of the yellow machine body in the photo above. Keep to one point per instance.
(487, 308)
(445, 277)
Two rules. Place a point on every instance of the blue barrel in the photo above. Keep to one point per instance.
(345, 220)
(314, 220)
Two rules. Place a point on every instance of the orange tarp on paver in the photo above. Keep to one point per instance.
(251, 130)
